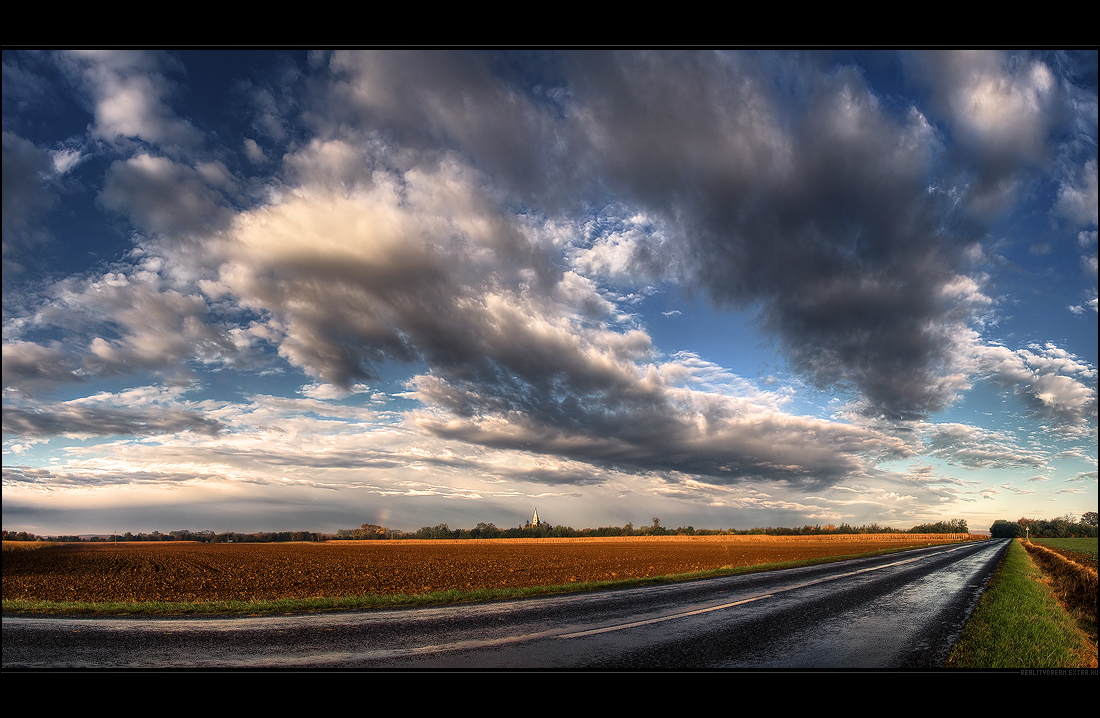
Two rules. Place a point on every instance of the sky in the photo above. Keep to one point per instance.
(307, 290)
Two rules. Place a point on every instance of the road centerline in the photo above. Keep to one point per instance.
(659, 619)
(750, 599)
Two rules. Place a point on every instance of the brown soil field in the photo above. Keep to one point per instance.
(194, 572)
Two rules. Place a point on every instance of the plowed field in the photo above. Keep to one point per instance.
(181, 571)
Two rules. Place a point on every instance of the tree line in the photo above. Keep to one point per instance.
(490, 531)
(199, 536)
(545, 530)
(1062, 527)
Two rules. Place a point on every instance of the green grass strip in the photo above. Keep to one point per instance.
(378, 601)
(1081, 545)
(1018, 623)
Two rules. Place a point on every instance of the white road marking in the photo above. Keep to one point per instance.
(621, 626)
(750, 599)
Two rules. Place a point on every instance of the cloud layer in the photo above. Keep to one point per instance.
(487, 226)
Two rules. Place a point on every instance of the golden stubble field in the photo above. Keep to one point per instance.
(191, 572)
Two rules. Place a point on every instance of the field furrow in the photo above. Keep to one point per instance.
(190, 572)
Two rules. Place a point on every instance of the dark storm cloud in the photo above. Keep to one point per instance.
(813, 202)
(27, 170)
(503, 109)
(822, 214)
(15, 475)
(27, 365)
(559, 477)
(167, 198)
(80, 420)
(651, 424)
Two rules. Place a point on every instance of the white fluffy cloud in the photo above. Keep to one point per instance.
(130, 93)
(1057, 385)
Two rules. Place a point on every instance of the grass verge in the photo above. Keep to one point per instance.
(1081, 545)
(1018, 623)
(378, 601)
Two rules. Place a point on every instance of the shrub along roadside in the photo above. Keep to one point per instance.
(1074, 584)
(1018, 623)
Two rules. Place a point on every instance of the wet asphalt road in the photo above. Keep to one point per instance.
(904, 610)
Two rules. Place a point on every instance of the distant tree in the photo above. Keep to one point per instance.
(1005, 529)
(484, 531)
(1057, 528)
(20, 536)
(656, 529)
(1027, 526)
(954, 526)
(441, 531)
